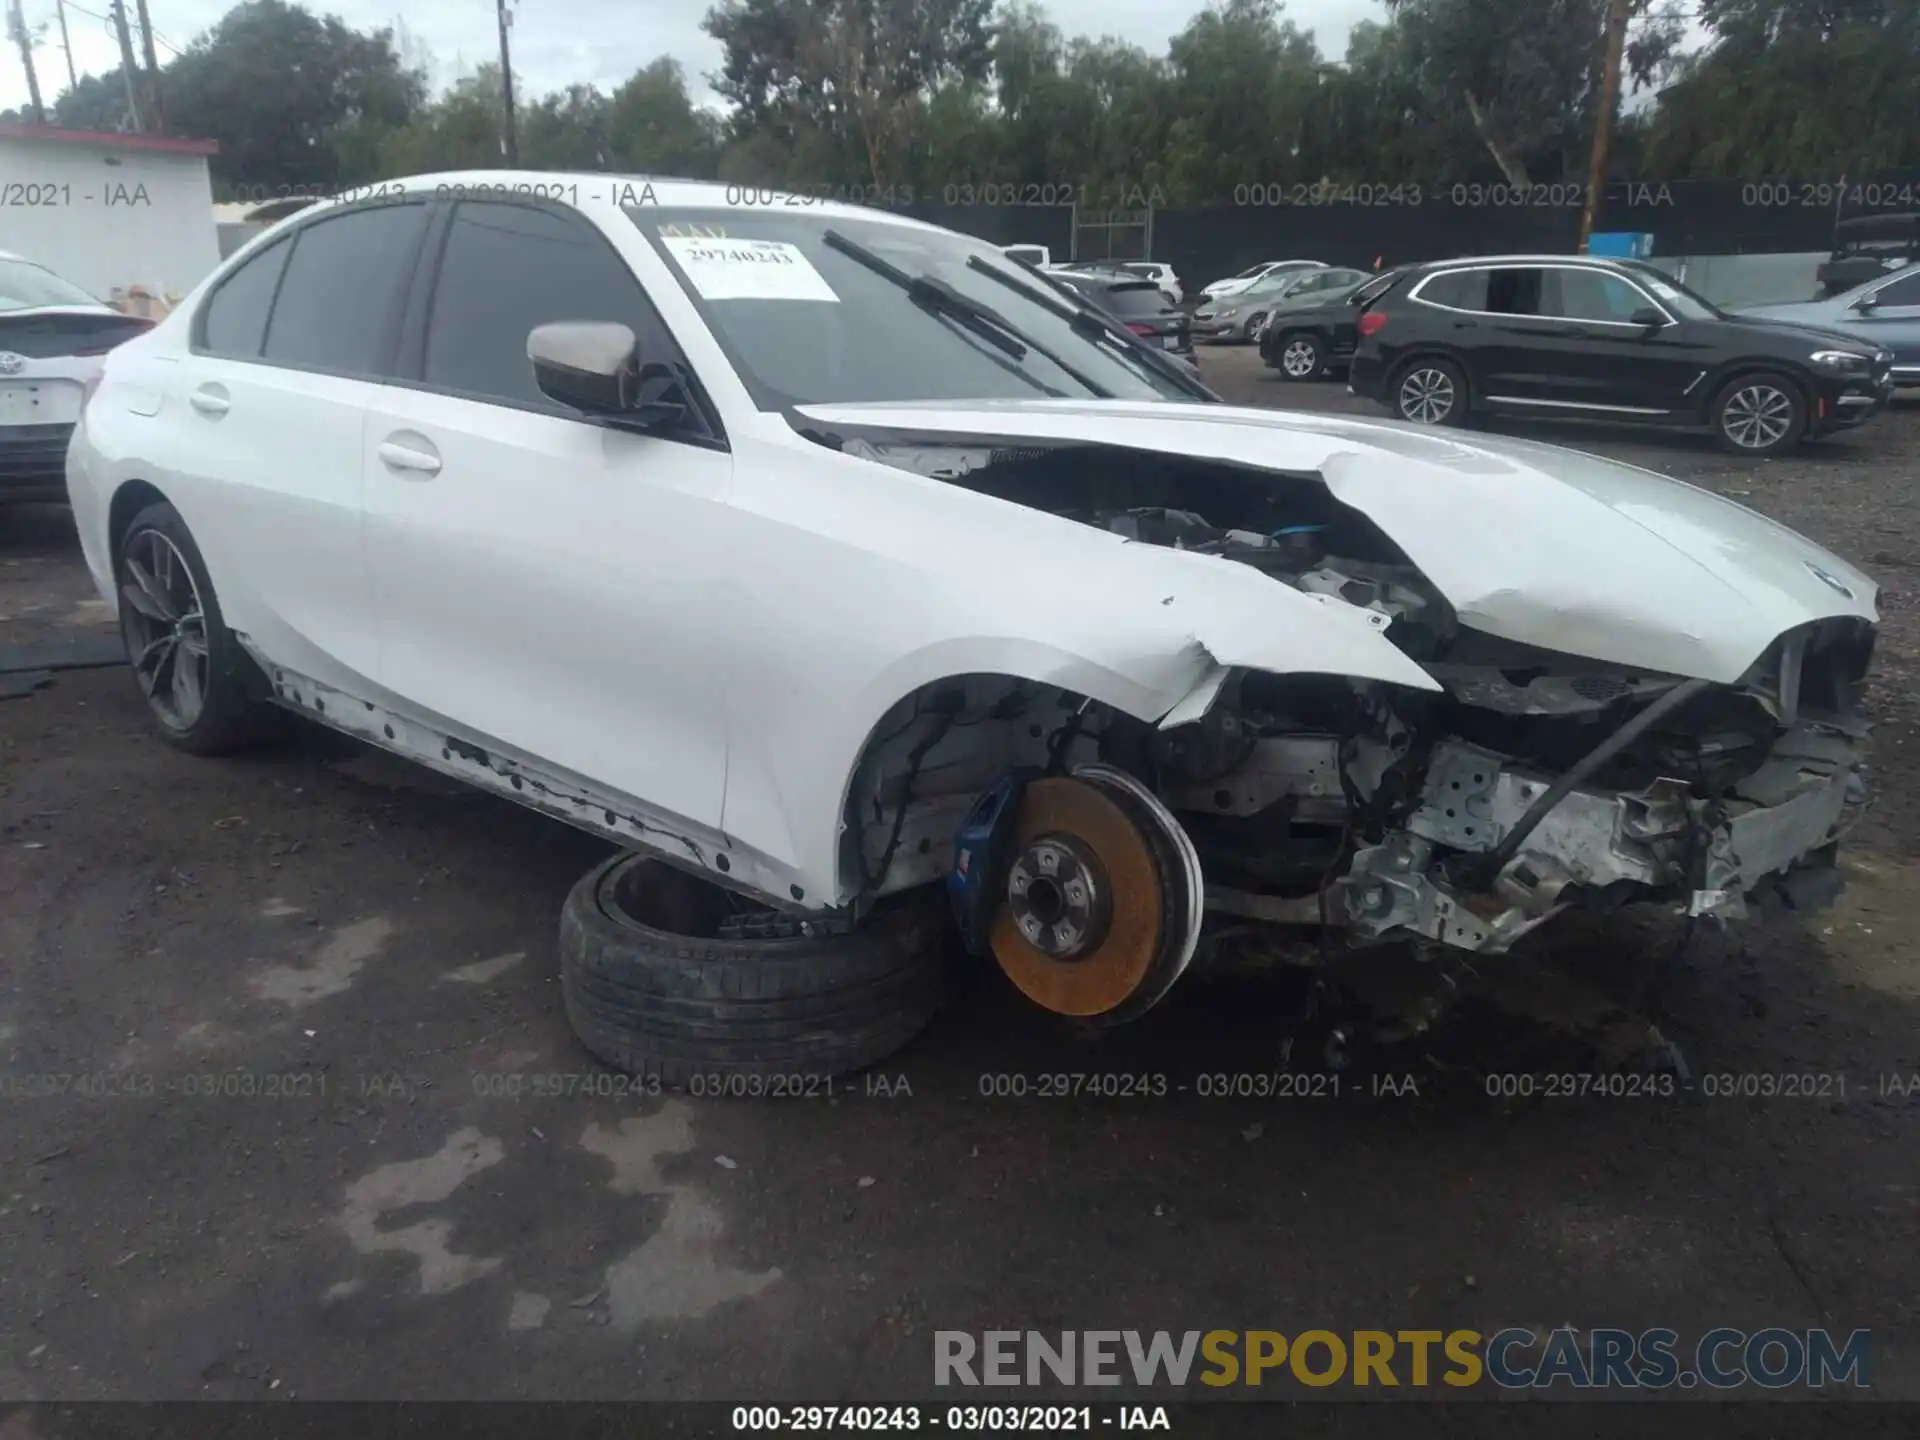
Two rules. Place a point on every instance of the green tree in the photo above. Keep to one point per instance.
(1807, 89)
(854, 74)
(293, 99)
(570, 129)
(462, 130)
(1525, 73)
(1243, 83)
(655, 128)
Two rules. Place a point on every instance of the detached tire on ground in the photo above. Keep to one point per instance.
(652, 987)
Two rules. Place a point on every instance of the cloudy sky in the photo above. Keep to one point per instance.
(559, 42)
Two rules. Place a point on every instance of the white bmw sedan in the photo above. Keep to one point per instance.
(816, 556)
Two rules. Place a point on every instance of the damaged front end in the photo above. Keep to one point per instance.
(1536, 782)
(1318, 814)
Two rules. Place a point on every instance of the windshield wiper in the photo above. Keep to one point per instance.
(942, 299)
(1093, 322)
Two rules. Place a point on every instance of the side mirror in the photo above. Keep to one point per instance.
(593, 366)
(1648, 316)
(1866, 304)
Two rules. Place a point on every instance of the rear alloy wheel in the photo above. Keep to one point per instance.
(199, 685)
(667, 976)
(1431, 392)
(1302, 358)
(1759, 415)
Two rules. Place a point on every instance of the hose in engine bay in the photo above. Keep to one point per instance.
(1632, 730)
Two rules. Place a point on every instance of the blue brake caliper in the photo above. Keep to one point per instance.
(980, 856)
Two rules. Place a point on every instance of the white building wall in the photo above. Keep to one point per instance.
(109, 218)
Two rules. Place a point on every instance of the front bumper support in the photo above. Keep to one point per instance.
(1641, 844)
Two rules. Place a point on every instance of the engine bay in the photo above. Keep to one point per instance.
(1530, 783)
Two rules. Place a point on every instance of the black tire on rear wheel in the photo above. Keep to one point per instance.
(651, 988)
(230, 713)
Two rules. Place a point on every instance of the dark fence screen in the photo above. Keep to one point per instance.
(1048, 225)
(1685, 217)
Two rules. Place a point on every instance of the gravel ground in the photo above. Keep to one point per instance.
(297, 988)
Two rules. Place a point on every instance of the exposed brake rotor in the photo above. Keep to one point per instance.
(1101, 909)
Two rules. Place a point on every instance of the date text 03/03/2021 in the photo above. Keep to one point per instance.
(956, 1419)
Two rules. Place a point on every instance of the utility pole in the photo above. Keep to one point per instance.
(17, 27)
(1603, 118)
(73, 81)
(153, 68)
(509, 145)
(127, 67)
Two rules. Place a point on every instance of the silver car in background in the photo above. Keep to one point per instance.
(1884, 312)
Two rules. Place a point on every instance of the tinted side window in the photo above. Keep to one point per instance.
(342, 289)
(1904, 291)
(509, 268)
(1591, 295)
(1516, 291)
(235, 320)
(1463, 290)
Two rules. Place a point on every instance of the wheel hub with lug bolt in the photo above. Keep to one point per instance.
(1059, 897)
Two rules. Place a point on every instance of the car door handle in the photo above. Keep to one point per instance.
(210, 401)
(408, 458)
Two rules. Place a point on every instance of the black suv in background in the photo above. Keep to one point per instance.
(1867, 247)
(1316, 335)
(1139, 304)
(1606, 340)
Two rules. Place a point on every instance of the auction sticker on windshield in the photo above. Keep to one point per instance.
(748, 269)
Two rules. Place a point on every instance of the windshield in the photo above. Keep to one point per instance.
(26, 286)
(806, 322)
(1273, 281)
(1686, 304)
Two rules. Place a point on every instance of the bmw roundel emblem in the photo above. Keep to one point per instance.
(11, 364)
(1831, 580)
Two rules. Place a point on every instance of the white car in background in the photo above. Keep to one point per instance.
(822, 559)
(1253, 275)
(53, 337)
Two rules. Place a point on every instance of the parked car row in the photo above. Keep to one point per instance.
(1446, 342)
(1242, 315)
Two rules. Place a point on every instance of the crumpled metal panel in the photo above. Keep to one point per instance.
(1473, 798)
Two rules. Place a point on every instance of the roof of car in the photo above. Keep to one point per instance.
(1601, 261)
(1899, 223)
(589, 189)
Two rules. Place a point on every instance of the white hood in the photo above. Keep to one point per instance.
(1530, 542)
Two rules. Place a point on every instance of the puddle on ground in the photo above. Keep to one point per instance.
(529, 1311)
(676, 1273)
(483, 972)
(332, 970)
(421, 1182)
